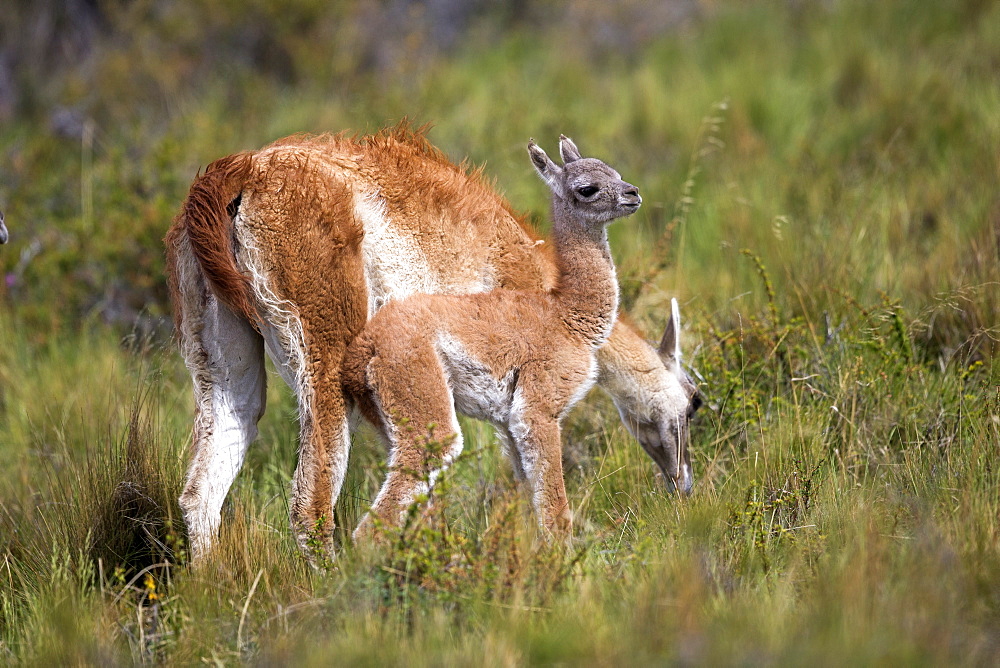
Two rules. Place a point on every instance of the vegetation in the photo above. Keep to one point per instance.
(820, 186)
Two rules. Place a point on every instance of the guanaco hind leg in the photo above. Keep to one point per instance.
(324, 446)
(419, 422)
(307, 354)
(226, 359)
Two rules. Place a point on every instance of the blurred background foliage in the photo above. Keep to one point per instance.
(856, 148)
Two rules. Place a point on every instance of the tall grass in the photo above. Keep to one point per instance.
(819, 186)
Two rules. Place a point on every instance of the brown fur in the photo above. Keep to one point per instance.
(388, 158)
(518, 358)
(417, 180)
(206, 221)
(393, 369)
(296, 226)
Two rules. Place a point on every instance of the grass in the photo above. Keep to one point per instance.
(819, 189)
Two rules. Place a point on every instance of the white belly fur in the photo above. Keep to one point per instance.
(477, 392)
(395, 267)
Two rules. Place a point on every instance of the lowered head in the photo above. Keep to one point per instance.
(659, 413)
(589, 189)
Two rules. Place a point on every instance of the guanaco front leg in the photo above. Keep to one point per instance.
(538, 442)
(509, 445)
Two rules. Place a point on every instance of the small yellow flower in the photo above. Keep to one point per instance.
(150, 585)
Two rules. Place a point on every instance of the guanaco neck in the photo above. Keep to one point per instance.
(587, 289)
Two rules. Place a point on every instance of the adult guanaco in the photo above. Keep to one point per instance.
(289, 250)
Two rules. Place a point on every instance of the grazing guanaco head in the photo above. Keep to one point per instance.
(659, 413)
(588, 188)
(3, 230)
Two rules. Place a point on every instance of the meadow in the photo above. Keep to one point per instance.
(820, 184)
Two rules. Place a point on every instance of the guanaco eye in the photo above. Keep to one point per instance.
(587, 191)
(695, 404)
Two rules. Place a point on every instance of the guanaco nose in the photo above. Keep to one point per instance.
(631, 194)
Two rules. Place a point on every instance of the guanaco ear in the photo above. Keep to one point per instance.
(568, 150)
(670, 344)
(548, 170)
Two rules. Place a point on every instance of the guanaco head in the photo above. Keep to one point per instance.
(591, 190)
(3, 230)
(659, 412)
